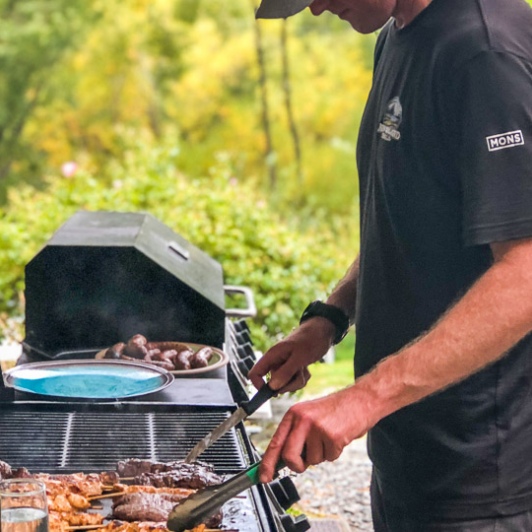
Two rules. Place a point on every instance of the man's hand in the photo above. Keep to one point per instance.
(316, 431)
(287, 362)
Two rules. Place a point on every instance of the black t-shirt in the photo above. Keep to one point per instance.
(445, 166)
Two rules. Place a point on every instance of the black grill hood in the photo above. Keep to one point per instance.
(105, 276)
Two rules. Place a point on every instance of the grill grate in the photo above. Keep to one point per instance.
(94, 441)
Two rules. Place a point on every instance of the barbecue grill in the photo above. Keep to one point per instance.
(101, 278)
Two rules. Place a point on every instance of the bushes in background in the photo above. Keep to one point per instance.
(228, 219)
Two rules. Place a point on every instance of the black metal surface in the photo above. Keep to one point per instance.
(69, 438)
(92, 438)
(102, 278)
(105, 276)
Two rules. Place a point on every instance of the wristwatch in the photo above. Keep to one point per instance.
(335, 315)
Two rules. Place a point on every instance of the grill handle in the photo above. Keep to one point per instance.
(180, 251)
(248, 312)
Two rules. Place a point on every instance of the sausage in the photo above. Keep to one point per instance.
(166, 364)
(115, 351)
(152, 354)
(166, 346)
(182, 359)
(167, 355)
(201, 358)
(130, 359)
(136, 347)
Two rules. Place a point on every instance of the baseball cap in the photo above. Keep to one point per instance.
(281, 8)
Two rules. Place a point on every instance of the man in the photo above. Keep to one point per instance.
(441, 293)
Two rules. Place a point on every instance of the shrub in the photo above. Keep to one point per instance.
(229, 220)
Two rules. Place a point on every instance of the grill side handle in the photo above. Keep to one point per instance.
(248, 312)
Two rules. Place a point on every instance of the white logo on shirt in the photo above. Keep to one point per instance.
(505, 140)
(389, 126)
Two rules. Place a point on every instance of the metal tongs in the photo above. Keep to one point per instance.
(199, 506)
(246, 409)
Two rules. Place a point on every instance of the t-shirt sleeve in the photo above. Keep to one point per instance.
(493, 98)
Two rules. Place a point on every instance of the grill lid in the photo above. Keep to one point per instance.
(105, 276)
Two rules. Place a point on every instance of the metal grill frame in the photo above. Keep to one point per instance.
(70, 437)
(253, 512)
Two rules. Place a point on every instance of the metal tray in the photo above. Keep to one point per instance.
(88, 379)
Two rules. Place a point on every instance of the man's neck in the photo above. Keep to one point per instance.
(407, 10)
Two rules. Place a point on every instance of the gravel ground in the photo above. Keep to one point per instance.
(339, 488)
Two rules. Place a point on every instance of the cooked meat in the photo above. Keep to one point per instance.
(201, 358)
(139, 506)
(137, 526)
(136, 347)
(134, 488)
(115, 351)
(85, 484)
(135, 466)
(143, 526)
(192, 479)
(182, 359)
(5, 470)
(82, 518)
(109, 478)
(21, 472)
(176, 474)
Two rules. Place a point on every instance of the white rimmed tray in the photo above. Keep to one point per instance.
(218, 358)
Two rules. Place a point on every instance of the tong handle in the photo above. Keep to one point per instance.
(253, 472)
(263, 395)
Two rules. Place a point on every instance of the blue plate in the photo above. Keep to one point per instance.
(88, 379)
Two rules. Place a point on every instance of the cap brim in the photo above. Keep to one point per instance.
(281, 8)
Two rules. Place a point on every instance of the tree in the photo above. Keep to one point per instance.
(34, 36)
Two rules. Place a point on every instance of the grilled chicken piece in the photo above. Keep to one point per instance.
(82, 518)
(137, 526)
(84, 484)
(135, 488)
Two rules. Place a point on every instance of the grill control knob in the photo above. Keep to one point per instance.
(245, 350)
(295, 524)
(285, 492)
(245, 365)
(241, 325)
(244, 336)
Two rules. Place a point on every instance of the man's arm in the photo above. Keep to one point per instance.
(344, 295)
(489, 319)
(288, 360)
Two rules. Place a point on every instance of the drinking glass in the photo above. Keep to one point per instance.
(23, 506)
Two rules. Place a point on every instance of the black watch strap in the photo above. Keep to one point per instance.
(335, 315)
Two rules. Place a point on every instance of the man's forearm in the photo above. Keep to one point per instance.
(344, 294)
(487, 321)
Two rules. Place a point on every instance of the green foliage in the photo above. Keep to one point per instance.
(221, 215)
(191, 65)
(34, 37)
(79, 79)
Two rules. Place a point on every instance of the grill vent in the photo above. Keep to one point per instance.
(95, 441)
